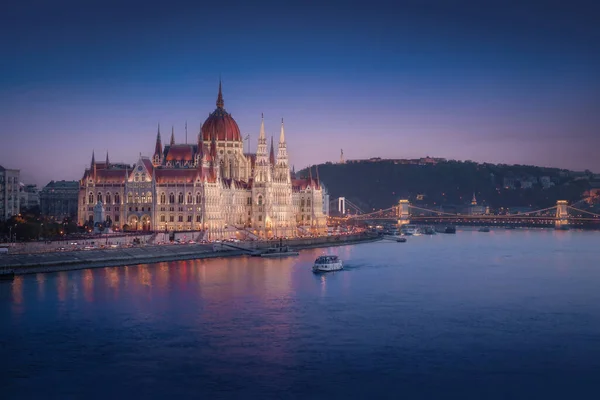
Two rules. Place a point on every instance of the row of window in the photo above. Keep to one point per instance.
(180, 218)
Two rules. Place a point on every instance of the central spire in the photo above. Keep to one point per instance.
(220, 102)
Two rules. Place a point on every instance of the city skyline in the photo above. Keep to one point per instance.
(501, 84)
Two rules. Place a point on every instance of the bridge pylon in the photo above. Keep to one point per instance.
(342, 205)
(562, 215)
(403, 212)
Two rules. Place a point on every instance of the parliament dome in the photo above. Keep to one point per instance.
(220, 124)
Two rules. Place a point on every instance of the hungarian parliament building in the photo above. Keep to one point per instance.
(210, 186)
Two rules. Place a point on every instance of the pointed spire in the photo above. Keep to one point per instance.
(106, 158)
(93, 164)
(282, 134)
(294, 171)
(474, 201)
(272, 154)
(172, 135)
(220, 102)
(262, 127)
(158, 149)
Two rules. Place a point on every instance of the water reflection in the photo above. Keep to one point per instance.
(41, 285)
(274, 323)
(88, 285)
(144, 275)
(17, 290)
(62, 283)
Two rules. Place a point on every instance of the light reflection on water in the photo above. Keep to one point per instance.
(506, 314)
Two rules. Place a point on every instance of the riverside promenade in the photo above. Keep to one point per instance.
(71, 260)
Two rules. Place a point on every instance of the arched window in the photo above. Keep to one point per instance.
(180, 198)
(162, 218)
(129, 198)
(308, 202)
(198, 198)
(107, 198)
(117, 198)
(137, 197)
(137, 177)
(149, 197)
(260, 200)
(100, 197)
(143, 197)
(162, 198)
(171, 198)
(189, 198)
(91, 198)
(302, 203)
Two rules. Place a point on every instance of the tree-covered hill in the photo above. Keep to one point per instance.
(380, 184)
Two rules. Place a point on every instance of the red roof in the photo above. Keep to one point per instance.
(106, 175)
(148, 165)
(180, 152)
(220, 124)
(303, 184)
(181, 175)
(176, 175)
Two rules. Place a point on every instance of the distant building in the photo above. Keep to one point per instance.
(9, 193)
(475, 209)
(546, 182)
(509, 182)
(528, 182)
(29, 196)
(58, 199)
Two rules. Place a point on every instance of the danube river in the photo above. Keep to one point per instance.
(505, 314)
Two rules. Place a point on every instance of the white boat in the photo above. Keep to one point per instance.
(410, 230)
(284, 251)
(327, 263)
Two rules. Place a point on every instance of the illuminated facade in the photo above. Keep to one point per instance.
(210, 186)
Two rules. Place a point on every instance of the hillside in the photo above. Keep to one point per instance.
(381, 183)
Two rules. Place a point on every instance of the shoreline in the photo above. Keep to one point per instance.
(71, 261)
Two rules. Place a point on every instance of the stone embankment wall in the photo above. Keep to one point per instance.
(72, 260)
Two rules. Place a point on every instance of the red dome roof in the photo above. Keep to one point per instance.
(221, 124)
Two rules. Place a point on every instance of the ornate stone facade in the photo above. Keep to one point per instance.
(210, 186)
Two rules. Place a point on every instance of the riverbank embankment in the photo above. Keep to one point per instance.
(72, 260)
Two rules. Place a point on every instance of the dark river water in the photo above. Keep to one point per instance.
(505, 314)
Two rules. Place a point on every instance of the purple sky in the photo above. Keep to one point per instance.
(510, 84)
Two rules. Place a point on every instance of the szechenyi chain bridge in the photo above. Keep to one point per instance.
(562, 215)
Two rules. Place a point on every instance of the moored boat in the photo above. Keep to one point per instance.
(445, 229)
(410, 230)
(427, 230)
(327, 264)
(6, 274)
(284, 251)
(401, 240)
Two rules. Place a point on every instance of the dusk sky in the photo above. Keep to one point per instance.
(505, 82)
